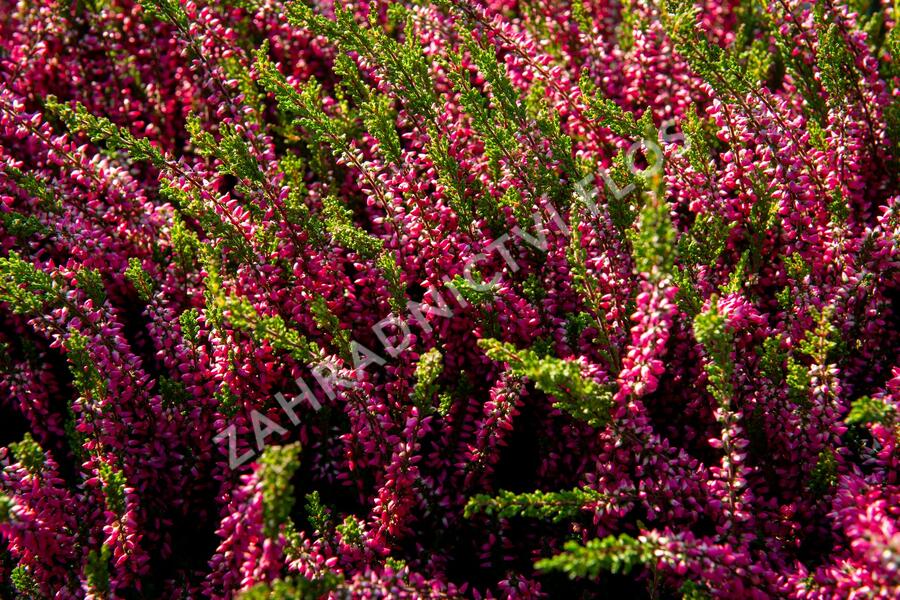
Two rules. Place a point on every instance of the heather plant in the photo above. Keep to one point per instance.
(449, 299)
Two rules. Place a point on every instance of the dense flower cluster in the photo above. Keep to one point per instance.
(449, 299)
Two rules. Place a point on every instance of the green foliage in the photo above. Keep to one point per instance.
(304, 105)
(475, 293)
(772, 359)
(29, 454)
(823, 477)
(510, 128)
(711, 62)
(169, 11)
(533, 289)
(273, 329)
(618, 203)
(798, 381)
(34, 186)
(25, 584)
(86, 377)
(608, 113)
(351, 531)
(231, 150)
(654, 242)
(90, 281)
(210, 261)
(392, 272)
(553, 506)
(295, 208)
(693, 591)
(190, 325)
(867, 410)
(113, 487)
(26, 288)
(428, 369)
(220, 227)
(339, 224)
(96, 571)
(174, 394)
(631, 21)
(616, 554)
(576, 323)
(706, 240)
(101, 130)
(575, 394)
(449, 176)
(7, 505)
(445, 403)
(838, 208)
(820, 342)
(294, 588)
(699, 142)
(226, 400)
(139, 278)
(376, 110)
(277, 467)
(549, 126)
(402, 64)
(738, 278)
(22, 226)
(316, 513)
(328, 322)
(712, 331)
(837, 67)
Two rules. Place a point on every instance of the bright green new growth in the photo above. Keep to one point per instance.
(575, 394)
(277, 467)
(867, 410)
(272, 329)
(654, 242)
(22, 226)
(28, 454)
(616, 554)
(376, 110)
(473, 290)
(294, 588)
(231, 150)
(711, 330)
(611, 115)
(351, 531)
(316, 513)
(96, 571)
(25, 584)
(169, 11)
(139, 279)
(190, 326)
(113, 487)
(555, 506)
(101, 130)
(428, 370)
(339, 224)
(87, 379)
(714, 64)
(824, 475)
(403, 65)
(90, 281)
(328, 322)
(392, 272)
(835, 60)
(25, 287)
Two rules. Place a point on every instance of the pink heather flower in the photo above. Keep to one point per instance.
(208, 208)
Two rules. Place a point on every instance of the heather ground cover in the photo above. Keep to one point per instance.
(449, 299)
